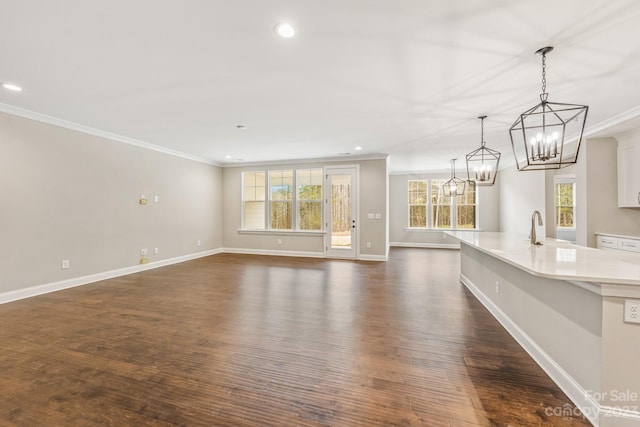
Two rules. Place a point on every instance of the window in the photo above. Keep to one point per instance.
(565, 203)
(440, 205)
(289, 191)
(309, 183)
(466, 207)
(430, 208)
(418, 203)
(253, 200)
(281, 199)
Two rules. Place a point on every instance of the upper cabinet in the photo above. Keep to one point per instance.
(629, 171)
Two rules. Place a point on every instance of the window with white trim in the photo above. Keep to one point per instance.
(287, 192)
(309, 183)
(430, 208)
(418, 203)
(565, 202)
(253, 199)
(281, 200)
(466, 207)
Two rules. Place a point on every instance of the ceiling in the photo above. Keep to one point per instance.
(406, 78)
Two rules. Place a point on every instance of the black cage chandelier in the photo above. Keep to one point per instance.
(548, 136)
(482, 163)
(455, 186)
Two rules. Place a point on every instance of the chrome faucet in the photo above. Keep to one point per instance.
(532, 236)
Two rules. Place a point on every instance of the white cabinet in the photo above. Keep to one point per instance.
(617, 241)
(629, 172)
(606, 242)
(629, 245)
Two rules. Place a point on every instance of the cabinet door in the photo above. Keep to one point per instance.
(630, 245)
(629, 175)
(606, 242)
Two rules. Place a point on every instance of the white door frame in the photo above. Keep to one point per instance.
(355, 206)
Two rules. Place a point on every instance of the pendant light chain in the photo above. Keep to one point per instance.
(544, 73)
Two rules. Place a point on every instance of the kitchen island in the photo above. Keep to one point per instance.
(564, 304)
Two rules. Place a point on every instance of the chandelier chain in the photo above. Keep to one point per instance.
(544, 73)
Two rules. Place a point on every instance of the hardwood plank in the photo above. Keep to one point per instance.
(240, 340)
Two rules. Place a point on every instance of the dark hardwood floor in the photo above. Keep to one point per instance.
(240, 340)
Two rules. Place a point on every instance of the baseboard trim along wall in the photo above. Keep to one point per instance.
(273, 252)
(578, 395)
(372, 258)
(426, 245)
(33, 291)
(300, 254)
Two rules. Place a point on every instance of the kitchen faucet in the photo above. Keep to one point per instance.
(532, 236)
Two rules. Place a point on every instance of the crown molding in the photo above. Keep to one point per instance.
(27, 114)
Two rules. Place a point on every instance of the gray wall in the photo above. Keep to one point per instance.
(373, 199)
(70, 195)
(521, 193)
(597, 194)
(488, 213)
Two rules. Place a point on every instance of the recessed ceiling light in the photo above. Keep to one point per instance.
(241, 127)
(12, 87)
(358, 148)
(285, 30)
(227, 157)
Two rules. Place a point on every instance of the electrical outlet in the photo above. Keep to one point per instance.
(368, 244)
(198, 243)
(632, 311)
(143, 252)
(65, 264)
(279, 241)
(497, 287)
(156, 199)
(156, 251)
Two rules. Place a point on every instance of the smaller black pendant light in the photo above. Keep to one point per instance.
(482, 163)
(454, 186)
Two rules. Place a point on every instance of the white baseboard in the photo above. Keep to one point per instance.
(273, 252)
(84, 280)
(578, 395)
(372, 258)
(426, 245)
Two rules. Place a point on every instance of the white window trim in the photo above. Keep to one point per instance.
(564, 179)
(242, 200)
(267, 208)
(296, 200)
(409, 205)
(454, 210)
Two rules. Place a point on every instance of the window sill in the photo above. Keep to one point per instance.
(437, 230)
(282, 232)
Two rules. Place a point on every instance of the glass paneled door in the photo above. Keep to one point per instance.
(340, 212)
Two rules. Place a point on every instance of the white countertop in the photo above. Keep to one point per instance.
(557, 259)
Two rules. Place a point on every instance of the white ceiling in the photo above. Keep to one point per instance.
(406, 78)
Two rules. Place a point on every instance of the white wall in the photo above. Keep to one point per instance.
(373, 199)
(69, 195)
(521, 193)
